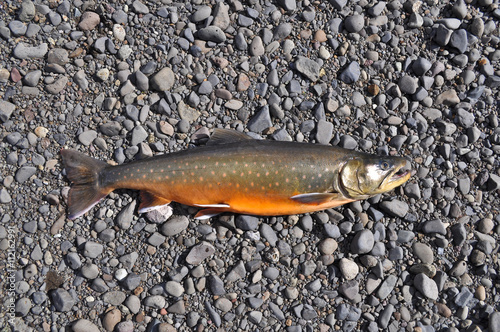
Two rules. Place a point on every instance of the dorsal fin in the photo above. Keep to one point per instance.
(224, 136)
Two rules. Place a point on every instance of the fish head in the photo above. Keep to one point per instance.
(364, 176)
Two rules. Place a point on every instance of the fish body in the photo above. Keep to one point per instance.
(232, 174)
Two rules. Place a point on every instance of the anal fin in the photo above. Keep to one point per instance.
(208, 213)
(150, 202)
(315, 198)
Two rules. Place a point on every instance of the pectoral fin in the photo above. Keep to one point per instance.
(151, 202)
(315, 198)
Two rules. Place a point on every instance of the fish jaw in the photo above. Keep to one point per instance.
(396, 178)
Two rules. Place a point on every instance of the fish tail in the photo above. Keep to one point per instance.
(83, 172)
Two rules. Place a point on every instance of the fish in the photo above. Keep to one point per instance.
(236, 173)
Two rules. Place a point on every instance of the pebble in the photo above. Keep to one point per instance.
(111, 319)
(307, 67)
(351, 73)
(348, 268)
(174, 225)
(62, 300)
(89, 21)
(362, 242)
(163, 80)
(426, 286)
(199, 253)
(354, 23)
(84, 325)
(22, 51)
(395, 208)
(212, 33)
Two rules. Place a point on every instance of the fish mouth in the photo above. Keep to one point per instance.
(400, 175)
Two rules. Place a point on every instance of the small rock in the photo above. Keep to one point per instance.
(199, 253)
(89, 21)
(163, 80)
(426, 286)
(307, 67)
(111, 318)
(62, 300)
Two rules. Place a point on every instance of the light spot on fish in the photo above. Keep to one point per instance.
(277, 184)
(144, 176)
(267, 173)
(258, 175)
(151, 170)
(201, 178)
(303, 176)
(223, 175)
(286, 180)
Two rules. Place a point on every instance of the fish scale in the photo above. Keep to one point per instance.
(232, 174)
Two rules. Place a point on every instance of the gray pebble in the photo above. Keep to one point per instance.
(131, 282)
(362, 242)
(26, 11)
(62, 300)
(73, 260)
(458, 40)
(23, 306)
(395, 208)
(6, 110)
(140, 8)
(114, 297)
(423, 252)
(212, 33)
(201, 14)
(87, 137)
(434, 226)
(163, 80)
(84, 325)
(17, 28)
(247, 223)
(426, 286)
(408, 84)
(24, 173)
(92, 249)
(173, 288)
(90, 271)
(268, 233)
(324, 131)
(199, 253)
(386, 287)
(156, 239)
(155, 301)
(215, 285)
(260, 121)
(307, 67)
(282, 31)
(351, 73)
(494, 322)
(175, 225)
(133, 303)
(354, 23)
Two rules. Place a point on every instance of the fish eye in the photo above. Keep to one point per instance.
(384, 165)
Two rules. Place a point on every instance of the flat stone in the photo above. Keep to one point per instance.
(199, 253)
(212, 33)
(362, 242)
(395, 208)
(27, 11)
(175, 225)
(187, 112)
(221, 16)
(354, 23)
(324, 131)
(6, 110)
(56, 87)
(89, 21)
(24, 173)
(260, 121)
(386, 287)
(163, 80)
(84, 325)
(307, 67)
(140, 8)
(62, 300)
(22, 51)
(426, 286)
(448, 98)
(351, 73)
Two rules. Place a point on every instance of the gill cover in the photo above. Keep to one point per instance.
(366, 176)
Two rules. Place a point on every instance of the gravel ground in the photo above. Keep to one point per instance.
(125, 79)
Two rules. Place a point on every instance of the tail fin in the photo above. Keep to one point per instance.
(83, 172)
